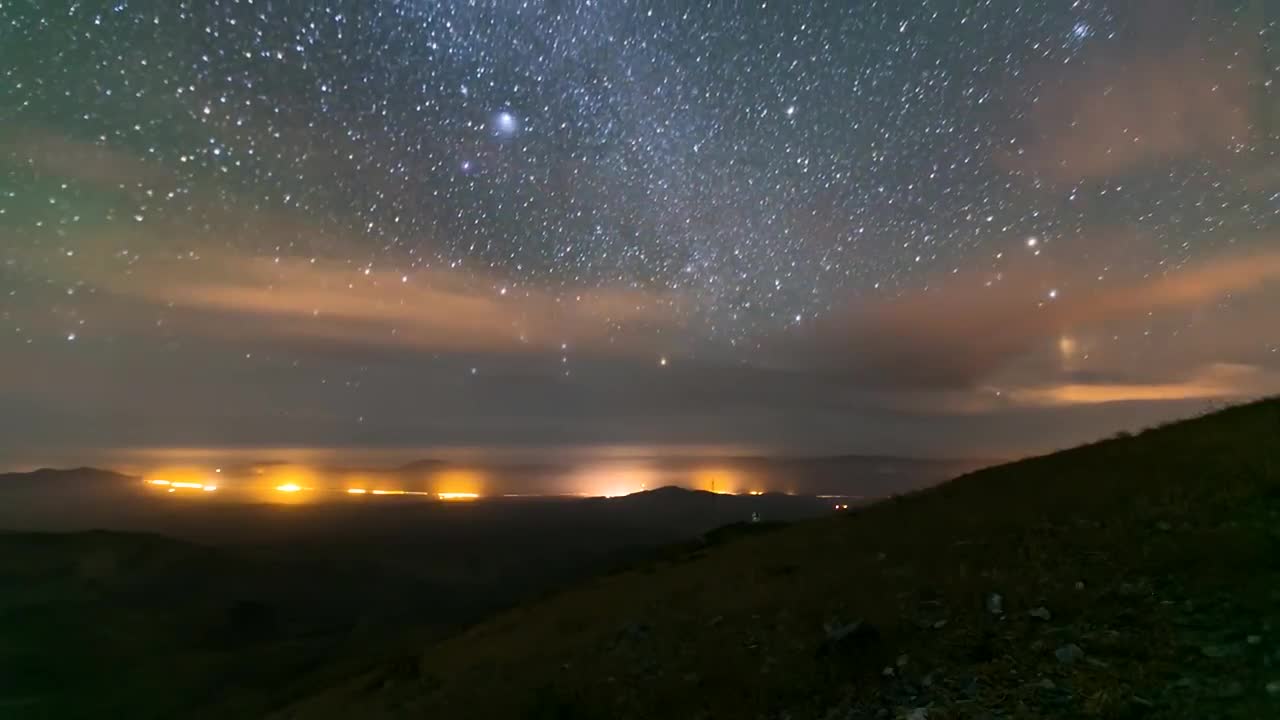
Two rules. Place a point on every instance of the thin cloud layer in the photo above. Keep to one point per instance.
(1141, 108)
(987, 328)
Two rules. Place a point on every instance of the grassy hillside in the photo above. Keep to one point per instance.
(1137, 577)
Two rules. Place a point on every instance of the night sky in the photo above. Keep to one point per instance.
(894, 227)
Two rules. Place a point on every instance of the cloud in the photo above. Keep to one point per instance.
(56, 155)
(977, 328)
(342, 304)
(1118, 114)
(1219, 381)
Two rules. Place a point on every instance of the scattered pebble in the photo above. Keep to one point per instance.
(1069, 654)
(1232, 689)
(1041, 613)
(995, 604)
(1220, 651)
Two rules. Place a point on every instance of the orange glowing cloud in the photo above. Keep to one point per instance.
(1222, 381)
(964, 328)
(432, 310)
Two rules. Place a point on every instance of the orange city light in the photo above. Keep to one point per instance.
(458, 495)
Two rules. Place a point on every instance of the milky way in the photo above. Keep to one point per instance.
(885, 209)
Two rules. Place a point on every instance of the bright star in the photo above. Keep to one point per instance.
(505, 125)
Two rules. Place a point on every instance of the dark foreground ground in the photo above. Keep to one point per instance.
(237, 610)
(1134, 578)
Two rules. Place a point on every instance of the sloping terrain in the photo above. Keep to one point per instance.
(101, 624)
(1136, 577)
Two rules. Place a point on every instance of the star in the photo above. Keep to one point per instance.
(505, 125)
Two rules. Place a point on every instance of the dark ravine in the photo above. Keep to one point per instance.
(1135, 577)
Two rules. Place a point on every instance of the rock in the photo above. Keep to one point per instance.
(1041, 613)
(846, 638)
(918, 714)
(1069, 654)
(903, 660)
(1273, 687)
(1221, 651)
(1079, 584)
(1163, 526)
(1254, 639)
(1047, 684)
(995, 604)
(887, 672)
(1232, 689)
(940, 624)
(716, 620)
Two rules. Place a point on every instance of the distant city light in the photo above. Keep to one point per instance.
(457, 495)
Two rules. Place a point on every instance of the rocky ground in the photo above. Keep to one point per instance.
(1138, 577)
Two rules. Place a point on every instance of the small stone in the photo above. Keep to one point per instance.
(1069, 654)
(1232, 689)
(995, 604)
(903, 660)
(887, 672)
(1079, 584)
(1254, 639)
(927, 680)
(1041, 613)
(918, 714)
(844, 638)
(1220, 651)
(1273, 687)
(940, 624)
(1163, 526)
(1047, 684)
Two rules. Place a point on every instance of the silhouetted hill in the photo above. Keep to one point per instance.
(45, 478)
(1135, 577)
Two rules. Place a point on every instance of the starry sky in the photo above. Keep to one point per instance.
(927, 228)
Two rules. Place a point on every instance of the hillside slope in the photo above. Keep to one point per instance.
(1136, 577)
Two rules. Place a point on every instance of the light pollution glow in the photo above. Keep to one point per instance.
(289, 483)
